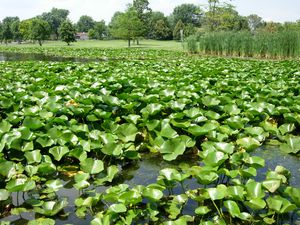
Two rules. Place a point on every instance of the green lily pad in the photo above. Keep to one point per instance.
(91, 166)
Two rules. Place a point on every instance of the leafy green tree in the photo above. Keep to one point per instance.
(162, 30)
(254, 22)
(1, 32)
(67, 32)
(224, 17)
(15, 29)
(143, 12)
(177, 30)
(25, 29)
(85, 23)
(154, 18)
(40, 30)
(127, 26)
(188, 14)
(55, 18)
(99, 31)
(7, 33)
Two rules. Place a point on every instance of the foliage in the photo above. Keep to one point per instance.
(67, 32)
(188, 14)
(180, 27)
(99, 31)
(284, 44)
(192, 44)
(40, 30)
(55, 18)
(254, 22)
(7, 28)
(143, 13)
(88, 121)
(224, 17)
(161, 30)
(85, 23)
(127, 26)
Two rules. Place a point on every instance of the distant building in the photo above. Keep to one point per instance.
(82, 36)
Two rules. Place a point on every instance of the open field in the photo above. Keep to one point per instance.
(144, 44)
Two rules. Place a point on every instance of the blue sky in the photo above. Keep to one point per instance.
(270, 10)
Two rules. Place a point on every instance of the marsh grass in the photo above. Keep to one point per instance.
(277, 45)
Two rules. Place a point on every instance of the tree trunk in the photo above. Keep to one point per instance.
(40, 42)
(128, 43)
(57, 35)
(137, 41)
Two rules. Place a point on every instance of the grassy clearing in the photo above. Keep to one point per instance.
(115, 44)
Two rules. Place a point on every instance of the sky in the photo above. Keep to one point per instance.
(269, 10)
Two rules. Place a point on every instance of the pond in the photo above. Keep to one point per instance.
(12, 56)
(145, 172)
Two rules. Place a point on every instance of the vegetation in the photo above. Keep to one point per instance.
(88, 121)
(55, 18)
(127, 26)
(139, 21)
(276, 45)
(40, 30)
(67, 32)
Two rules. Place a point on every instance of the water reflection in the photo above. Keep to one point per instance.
(11, 56)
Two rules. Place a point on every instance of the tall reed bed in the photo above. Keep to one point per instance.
(283, 44)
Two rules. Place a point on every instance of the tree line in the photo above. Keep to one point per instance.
(136, 22)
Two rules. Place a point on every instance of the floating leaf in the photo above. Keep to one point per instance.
(153, 194)
(202, 210)
(51, 208)
(248, 143)
(292, 145)
(217, 193)
(33, 156)
(91, 166)
(4, 194)
(232, 208)
(32, 123)
(118, 208)
(256, 203)
(58, 152)
(127, 132)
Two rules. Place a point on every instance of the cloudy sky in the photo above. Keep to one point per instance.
(270, 10)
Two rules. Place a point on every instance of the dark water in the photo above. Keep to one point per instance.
(12, 56)
(146, 171)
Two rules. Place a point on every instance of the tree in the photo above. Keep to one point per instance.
(85, 23)
(143, 12)
(55, 18)
(254, 22)
(188, 14)
(7, 33)
(154, 18)
(162, 30)
(1, 32)
(127, 26)
(15, 29)
(99, 31)
(40, 30)
(177, 30)
(67, 32)
(25, 29)
(223, 17)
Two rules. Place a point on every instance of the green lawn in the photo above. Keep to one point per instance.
(147, 44)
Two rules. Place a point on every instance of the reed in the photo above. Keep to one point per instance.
(282, 44)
